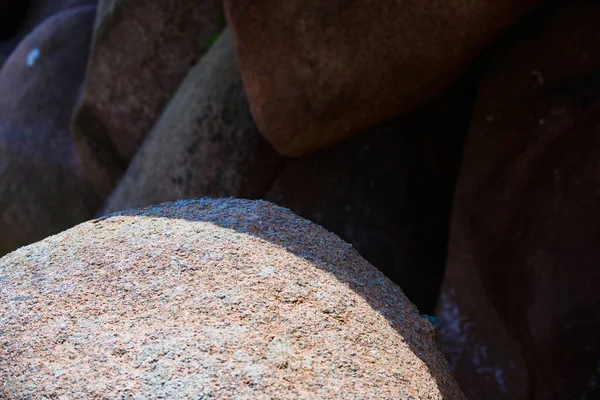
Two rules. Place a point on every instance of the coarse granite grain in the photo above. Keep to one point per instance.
(209, 298)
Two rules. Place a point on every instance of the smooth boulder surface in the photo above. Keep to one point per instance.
(205, 144)
(23, 16)
(142, 50)
(317, 72)
(528, 204)
(41, 183)
(215, 298)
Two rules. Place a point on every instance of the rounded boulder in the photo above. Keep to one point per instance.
(209, 298)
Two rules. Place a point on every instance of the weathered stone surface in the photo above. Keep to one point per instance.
(26, 15)
(528, 202)
(317, 72)
(205, 143)
(388, 192)
(42, 190)
(216, 298)
(142, 50)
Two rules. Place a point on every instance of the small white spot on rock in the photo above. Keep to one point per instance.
(32, 56)
(266, 271)
(59, 373)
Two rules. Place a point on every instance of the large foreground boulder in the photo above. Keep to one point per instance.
(319, 71)
(209, 299)
(527, 204)
(42, 189)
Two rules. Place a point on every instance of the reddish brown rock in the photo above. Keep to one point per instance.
(142, 50)
(528, 202)
(317, 72)
(209, 298)
(388, 192)
(42, 190)
(204, 144)
(25, 15)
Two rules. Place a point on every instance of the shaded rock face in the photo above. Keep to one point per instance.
(23, 16)
(483, 353)
(388, 192)
(204, 144)
(213, 298)
(41, 185)
(317, 72)
(142, 50)
(527, 203)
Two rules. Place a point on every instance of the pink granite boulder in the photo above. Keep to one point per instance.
(209, 298)
(317, 72)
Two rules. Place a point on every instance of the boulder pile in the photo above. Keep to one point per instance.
(454, 145)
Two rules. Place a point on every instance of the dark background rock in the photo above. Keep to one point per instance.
(142, 50)
(317, 72)
(388, 192)
(528, 199)
(482, 352)
(204, 144)
(12, 13)
(41, 185)
(24, 15)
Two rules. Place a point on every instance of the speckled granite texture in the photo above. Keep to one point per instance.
(209, 299)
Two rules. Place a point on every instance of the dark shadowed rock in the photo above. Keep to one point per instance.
(25, 15)
(41, 186)
(388, 192)
(204, 144)
(209, 298)
(528, 200)
(483, 354)
(142, 50)
(317, 71)
(12, 13)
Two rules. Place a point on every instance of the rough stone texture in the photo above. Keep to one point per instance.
(319, 71)
(214, 299)
(388, 192)
(42, 190)
(28, 16)
(528, 202)
(142, 50)
(204, 145)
